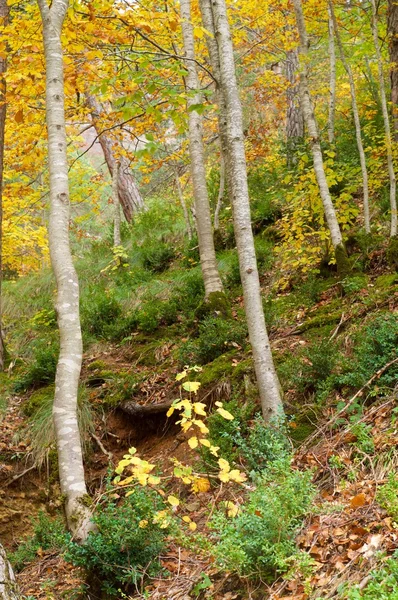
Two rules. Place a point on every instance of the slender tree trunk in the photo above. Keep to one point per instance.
(392, 30)
(117, 240)
(70, 458)
(221, 191)
(183, 205)
(294, 115)
(208, 260)
(310, 121)
(130, 198)
(355, 111)
(3, 110)
(332, 80)
(231, 110)
(8, 585)
(383, 97)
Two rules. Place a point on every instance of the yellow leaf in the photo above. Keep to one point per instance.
(201, 485)
(191, 386)
(193, 442)
(205, 442)
(170, 411)
(199, 408)
(237, 476)
(173, 501)
(225, 414)
(224, 464)
(192, 526)
(153, 480)
(181, 375)
(232, 509)
(223, 476)
(142, 524)
(186, 519)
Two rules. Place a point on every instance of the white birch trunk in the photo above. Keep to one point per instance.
(312, 128)
(332, 80)
(70, 458)
(208, 260)
(183, 205)
(268, 384)
(384, 108)
(221, 191)
(117, 240)
(8, 585)
(355, 112)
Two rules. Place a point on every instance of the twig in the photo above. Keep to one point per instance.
(335, 332)
(101, 446)
(20, 475)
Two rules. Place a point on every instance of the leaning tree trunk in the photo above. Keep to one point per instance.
(392, 30)
(130, 198)
(355, 112)
(332, 79)
(312, 128)
(117, 240)
(207, 253)
(294, 115)
(8, 585)
(387, 129)
(70, 460)
(268, 384)
(3, 110)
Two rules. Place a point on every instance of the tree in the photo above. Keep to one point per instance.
(267, 380)
(117, 240)
(70, 460)
(8, 585)
(294, 116)
(130, 198)
(311, 124)
(387, 128)
(392, 30)
(208, 260)
(332, 79)
(3, 110)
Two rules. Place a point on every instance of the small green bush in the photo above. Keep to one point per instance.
(156, 257)
(42, 366)
(387, 496)
(48, 534)
(383, 584)
(264, 444)
(260, 541)
(216, 336)
(122, 552)
(99, 312)
(189, 291)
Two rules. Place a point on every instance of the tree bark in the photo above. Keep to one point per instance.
(3, 111)
(312, 128)
(208, 260)
(231, 110)
(332, 79)
(8, 585)
(387, 129)
(294, 115)
(355, 111)
(392, 30)
(130, 198)
(70, 458)
(117, 240)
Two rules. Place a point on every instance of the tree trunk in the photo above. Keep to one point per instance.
(208, 260)
(117, 240)
(310, 121)
(357, 121)
(294, 115)
(221, 191)
(130, 198)
(268, 384)
(3, 110)
(183, 205)
(8, 585)
(70, 460)
(332, 80)
(392, 30)
(383, 97)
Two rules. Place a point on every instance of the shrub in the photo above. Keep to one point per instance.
(189, 292)
(127, 544)
(387, 496)
(48, 534)
(260, 541)
(157, 256)
(42, 366)
(383, 583)
(265, 444)
(216, 336)
(100, 310)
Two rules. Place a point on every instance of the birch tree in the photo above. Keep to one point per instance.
(332, 78)
(312, 128)
(357, 122)
(387, 128)
(208, 260)
(216, 21)
(3, 111)
(8, 585)
(69, 447)
(294, 115)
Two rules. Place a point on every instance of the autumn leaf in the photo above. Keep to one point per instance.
(173, 501)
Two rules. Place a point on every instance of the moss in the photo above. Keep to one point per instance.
(217, 304)
(37, 399)
(320, 321)
(223, 368)
(342, 261)
(386, 281)
(97, 365)
(53, 471)
(392, 253)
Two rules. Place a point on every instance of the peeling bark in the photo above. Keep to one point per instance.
(8, 585)
(208, 260)
(387, 128)
(231, 133)
(70, 460)
(130, 198)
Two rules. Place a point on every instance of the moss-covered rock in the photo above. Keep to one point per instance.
(224, 367)
(216, 305)
(37, 399)
(342, 261)
(392, 253)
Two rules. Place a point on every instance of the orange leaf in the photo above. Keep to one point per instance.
(358, 501)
